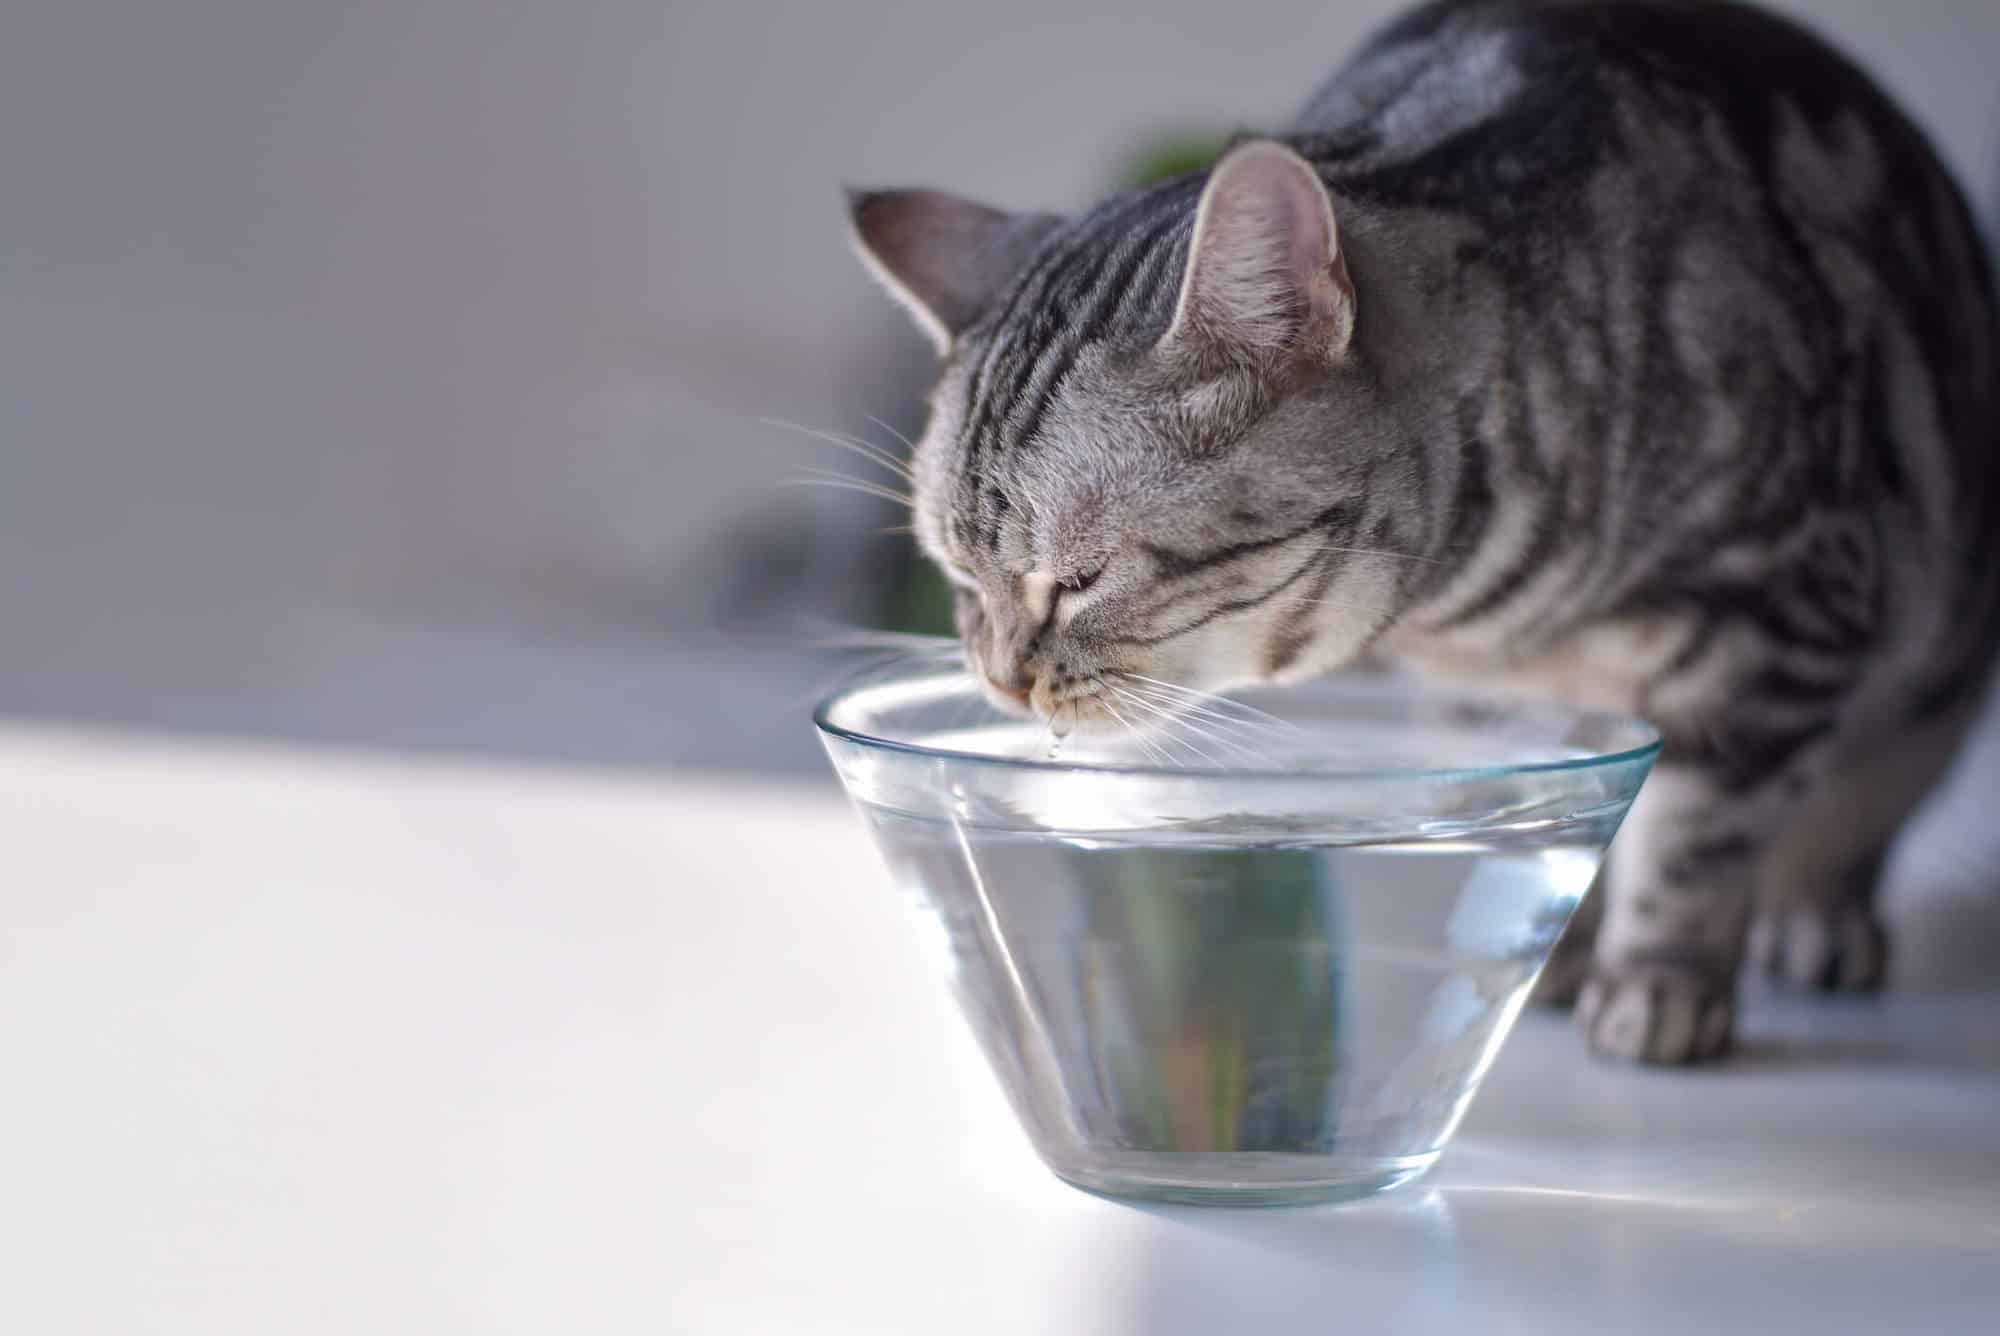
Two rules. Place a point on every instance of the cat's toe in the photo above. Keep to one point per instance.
(1654, 1014)
(1831, 949)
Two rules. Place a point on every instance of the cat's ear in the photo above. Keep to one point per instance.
(943, 257)
(1265, 276)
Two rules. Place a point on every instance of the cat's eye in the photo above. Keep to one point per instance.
(1078, 581)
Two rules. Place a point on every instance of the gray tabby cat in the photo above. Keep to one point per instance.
(1654, 333)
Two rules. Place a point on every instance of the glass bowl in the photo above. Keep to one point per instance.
(1261, 953)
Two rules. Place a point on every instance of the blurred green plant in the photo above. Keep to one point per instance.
(1232, 995)
(922, 601)
(924, 604)
(1175, 155)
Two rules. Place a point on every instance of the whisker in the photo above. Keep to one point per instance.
(1152, 739)
(865, 482)
(1137, 736)
(1165, 739)
(847, 441)
(908, 444)
(1201, 711)
(1225, 735)
(868, 450)
(1165, 736)
(1169, 722)
(1181, 704)
(1242, 735)
(1254, 731)
(880, 454)
(1210, 697)
(842, 483)
(1219, 739)
(1202, 754)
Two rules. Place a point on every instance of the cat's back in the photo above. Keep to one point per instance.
(1724, 215)
(1449, 64)
(1636, 129)
(1466, 98)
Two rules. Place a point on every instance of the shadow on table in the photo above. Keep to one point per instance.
(1837, 1175)
(1948, 941)
(1498, 1258)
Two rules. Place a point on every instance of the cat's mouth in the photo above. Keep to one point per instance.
(1086, 708)
(1168, 723)
(1106, 707)
(1160, 716)
(1079, 710)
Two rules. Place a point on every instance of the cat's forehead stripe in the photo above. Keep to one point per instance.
(1081, 285)
(1105, 290)
(1004, 333)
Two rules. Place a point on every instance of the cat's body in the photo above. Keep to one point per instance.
(1648, 335)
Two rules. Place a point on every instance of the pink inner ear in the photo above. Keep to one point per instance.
(1298, 227)
(1311, 247)
(1266, 270)
(1273, 202)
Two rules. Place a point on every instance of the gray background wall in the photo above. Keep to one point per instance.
(395, 371)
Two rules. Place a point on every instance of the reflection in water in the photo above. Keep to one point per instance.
(1255, 1020)
(1213, 1012)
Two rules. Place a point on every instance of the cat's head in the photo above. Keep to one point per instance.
(1152, 450)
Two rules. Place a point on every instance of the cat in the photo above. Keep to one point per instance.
(1641, 353)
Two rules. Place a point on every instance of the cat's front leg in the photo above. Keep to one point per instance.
(1826, 936)
(1816, 925)
(1679, 896)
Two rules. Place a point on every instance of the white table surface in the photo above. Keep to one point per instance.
(304, 1042)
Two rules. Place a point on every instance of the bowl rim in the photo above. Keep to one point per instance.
(1647, 751)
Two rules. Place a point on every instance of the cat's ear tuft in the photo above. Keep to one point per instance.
(944, 258)
(1265, 278)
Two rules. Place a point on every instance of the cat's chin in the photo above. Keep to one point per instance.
(1080, 717)
(1072, 715)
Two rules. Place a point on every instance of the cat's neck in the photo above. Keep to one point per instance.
(1422, 307)
(1432, 332)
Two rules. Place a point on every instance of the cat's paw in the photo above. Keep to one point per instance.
(1828, 948)
(1654, 1014)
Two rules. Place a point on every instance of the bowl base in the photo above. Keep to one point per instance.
(1243, 1178)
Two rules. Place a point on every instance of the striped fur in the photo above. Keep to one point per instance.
(1670, 387)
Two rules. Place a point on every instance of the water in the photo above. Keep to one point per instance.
(1273, 979)
(1234, 1019)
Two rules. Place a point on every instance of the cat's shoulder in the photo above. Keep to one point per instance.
(1541, 71)
(1456, 59)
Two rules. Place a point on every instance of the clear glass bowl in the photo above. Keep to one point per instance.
(1255, 957)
